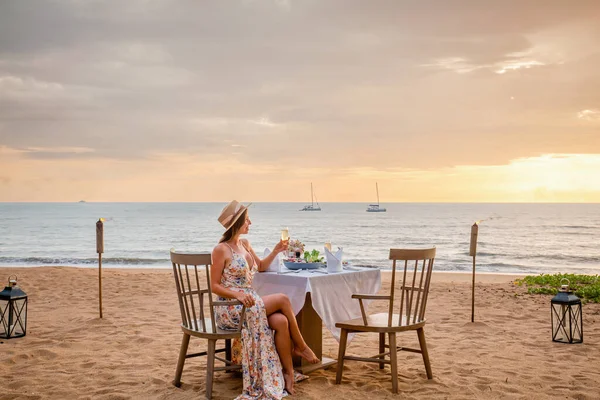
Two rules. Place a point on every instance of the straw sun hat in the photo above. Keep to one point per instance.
(231, 213)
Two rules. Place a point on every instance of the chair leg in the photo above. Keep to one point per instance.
(228, 351)
(182, 353)
(210, 366)
(393, 361)
(421, 333)
(381, 348)
(341, 354)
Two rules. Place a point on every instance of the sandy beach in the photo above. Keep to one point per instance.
(69, 353)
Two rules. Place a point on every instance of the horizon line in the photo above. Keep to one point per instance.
(300, 202)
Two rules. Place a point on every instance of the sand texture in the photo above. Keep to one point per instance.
(69, 353)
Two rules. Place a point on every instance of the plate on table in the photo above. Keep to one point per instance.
(303, 265)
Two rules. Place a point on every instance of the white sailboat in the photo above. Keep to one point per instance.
(375, 207)
(311, 206)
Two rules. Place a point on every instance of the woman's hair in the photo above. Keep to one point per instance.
(235, 228)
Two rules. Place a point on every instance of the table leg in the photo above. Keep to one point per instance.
(311, 327)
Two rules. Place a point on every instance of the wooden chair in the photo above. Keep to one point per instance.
(414, 288)
(194, 321)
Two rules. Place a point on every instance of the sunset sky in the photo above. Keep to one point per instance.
(157, 100)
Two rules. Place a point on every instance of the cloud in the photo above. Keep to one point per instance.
(508, 63)
(15, 83)
(49, 153)
(457, 64)
(382, 85)
(266, 122)
(284, 4)
(222, 123)
(516, 65)
(589, 115)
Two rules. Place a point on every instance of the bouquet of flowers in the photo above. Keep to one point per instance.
(295, 246)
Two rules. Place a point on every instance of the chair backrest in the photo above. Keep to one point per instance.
(191, 289)
(415, 266)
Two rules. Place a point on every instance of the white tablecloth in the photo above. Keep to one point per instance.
(331, 293)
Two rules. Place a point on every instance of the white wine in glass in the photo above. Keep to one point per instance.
(328, 245)
(285, 234)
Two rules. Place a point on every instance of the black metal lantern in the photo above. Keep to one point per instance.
(13, 310)
(567, 316)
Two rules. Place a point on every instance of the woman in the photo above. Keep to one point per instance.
(234, 264)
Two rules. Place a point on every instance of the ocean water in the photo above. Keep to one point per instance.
(513, 238)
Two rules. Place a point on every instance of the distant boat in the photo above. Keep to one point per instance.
(375, 207)
(311, 206)
(82, 201)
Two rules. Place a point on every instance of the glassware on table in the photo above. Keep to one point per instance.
(328, 245)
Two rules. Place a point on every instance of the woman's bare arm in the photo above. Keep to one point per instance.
(265, 262)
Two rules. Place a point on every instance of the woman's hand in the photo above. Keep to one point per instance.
(281, 246)
(246, 299)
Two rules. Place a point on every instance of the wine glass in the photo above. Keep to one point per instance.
(285, 234)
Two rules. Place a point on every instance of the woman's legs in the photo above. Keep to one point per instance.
(280, 302)
(279, 323)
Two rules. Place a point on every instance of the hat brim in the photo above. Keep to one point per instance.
(237, 216)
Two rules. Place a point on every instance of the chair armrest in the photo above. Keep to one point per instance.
(370, 296)
(362, 297)
(232, 302)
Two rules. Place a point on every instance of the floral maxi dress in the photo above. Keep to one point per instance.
(261, 367)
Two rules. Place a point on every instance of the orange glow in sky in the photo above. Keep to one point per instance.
(547, 178)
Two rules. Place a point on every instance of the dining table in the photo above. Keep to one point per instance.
(320, 298)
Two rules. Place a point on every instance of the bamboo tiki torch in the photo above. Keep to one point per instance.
(100, 250)
(473, 253)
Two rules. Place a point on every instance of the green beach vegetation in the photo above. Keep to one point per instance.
(586, 287)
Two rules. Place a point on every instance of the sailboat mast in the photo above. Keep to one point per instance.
(377, 190)
(311, 195)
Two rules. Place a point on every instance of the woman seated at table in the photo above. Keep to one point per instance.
(234, 264)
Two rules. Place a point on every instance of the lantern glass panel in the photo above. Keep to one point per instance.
(13, 314)
(576, 323)
(567, 323)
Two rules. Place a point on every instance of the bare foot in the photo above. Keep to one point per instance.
(289, 382)
(307, 354)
